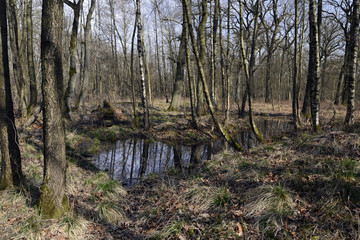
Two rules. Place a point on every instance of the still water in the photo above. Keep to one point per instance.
(131, 159)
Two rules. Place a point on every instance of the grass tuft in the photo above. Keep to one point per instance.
(74, 225)
(270, 205)
(110, 211)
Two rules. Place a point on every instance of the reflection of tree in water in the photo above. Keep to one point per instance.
(177, 157)
(131, 159)
(195, 156)
(144, 158)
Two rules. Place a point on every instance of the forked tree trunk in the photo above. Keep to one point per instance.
(224, 134)
(70, 91)
(53, 201)
(179, 77)
(189, 71)
(88, 47)
(249, 75)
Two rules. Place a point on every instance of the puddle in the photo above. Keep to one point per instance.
(131, 159)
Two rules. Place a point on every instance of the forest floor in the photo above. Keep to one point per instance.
(300, 185)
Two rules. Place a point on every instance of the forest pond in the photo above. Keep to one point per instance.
(131, 159)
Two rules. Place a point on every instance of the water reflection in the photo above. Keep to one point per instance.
(131, 159)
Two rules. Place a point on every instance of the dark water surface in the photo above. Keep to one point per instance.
(131, 159)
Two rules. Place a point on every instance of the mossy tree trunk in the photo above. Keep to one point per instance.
(202, 54)
(249, 73)
(53, 201)
(215, 24)
(189, 72)
(70, 90)
(179, 77)
(221, 129)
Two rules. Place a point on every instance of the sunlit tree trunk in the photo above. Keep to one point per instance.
(88, 48)
(144, 97)
(213, 50)
(202, 50)
(30, 55)
(314, 66)
(179, 77)
(189, 71)
(70, 90)
(224, 134)
(132, 75)
(351, 63)
(53, 201)
(249, 74)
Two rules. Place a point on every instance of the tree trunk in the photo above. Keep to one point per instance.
(53, 201)
(30, 55)
(88, 47)
(227, 65)
(339, 84)
(6, 180)
(314, 66)
(225, 135)
(213, 51)
(249, 73)
(144, 97)
(351, 63)
(69, 94)
(179, 80)
(132, 76)
(294, 92)
(14, 156)
(189, 71)
(19, 62)
(202, 46)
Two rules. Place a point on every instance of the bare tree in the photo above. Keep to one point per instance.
(249, 68)
(30, 54)
(53, 201)
(225, 135)
(10, 152)
(314, 66)
(69, 94)
(144, 97)
(351, 63)
(88, 47)
(179, 77)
